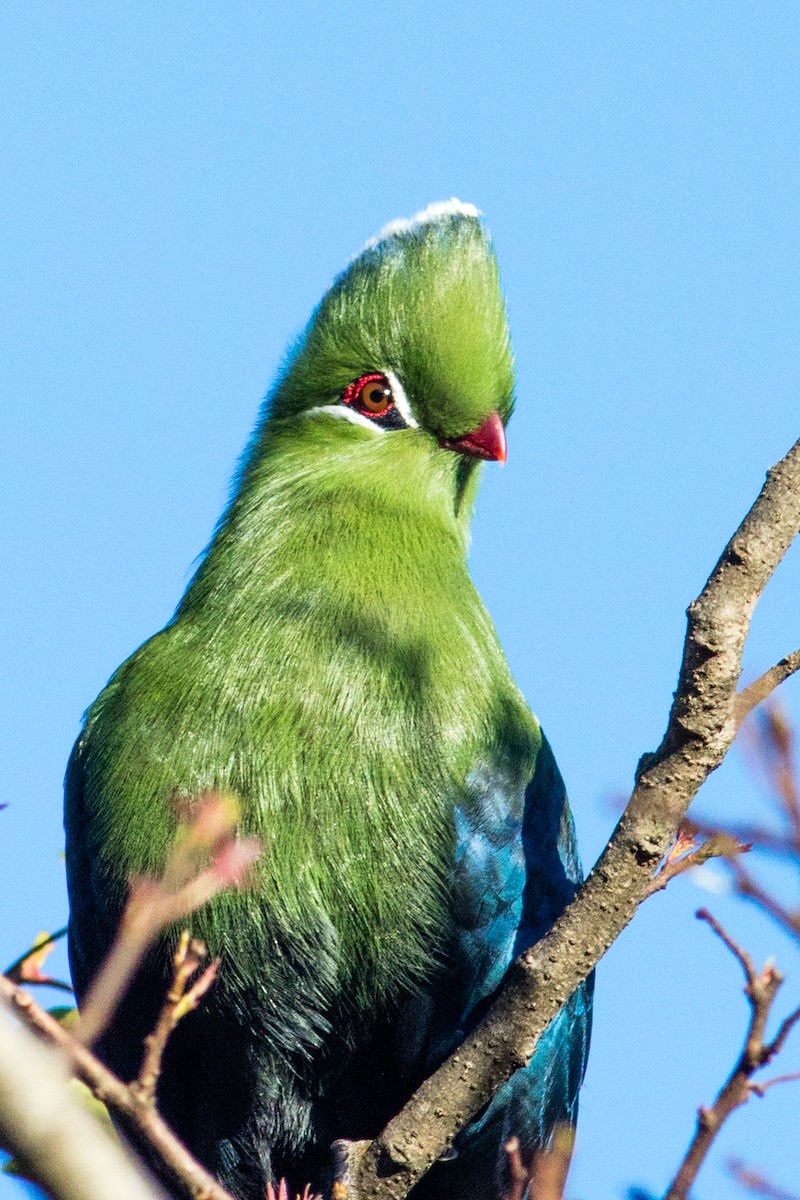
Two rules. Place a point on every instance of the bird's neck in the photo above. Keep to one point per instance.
(367, 522)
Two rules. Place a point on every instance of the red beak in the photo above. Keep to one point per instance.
(487, 441)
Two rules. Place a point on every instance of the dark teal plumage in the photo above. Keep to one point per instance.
(332, 665)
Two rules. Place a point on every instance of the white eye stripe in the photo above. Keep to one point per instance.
(347, 414)
(401, 400)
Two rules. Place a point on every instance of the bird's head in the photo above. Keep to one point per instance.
(410, 340)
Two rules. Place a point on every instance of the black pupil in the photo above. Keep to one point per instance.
(377, 396)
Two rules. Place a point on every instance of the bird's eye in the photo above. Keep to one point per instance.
(370, 395)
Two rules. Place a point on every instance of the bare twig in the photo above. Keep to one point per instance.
(207, 858)
(757, 1183)
(686, 852)
(550, 1167)
(758, 1089)
(757, 692)
(748, 887)
(768, 741)
(518, 1174)
(760, 989)
(181, 999)
(769, 749)
(140, 1117)
(777, 1043)
(28, 967)
(545, 1176)
(44, 941)
(58, 985)
(742, 957)
(51, 1133)
(756, 837)
(700, 730)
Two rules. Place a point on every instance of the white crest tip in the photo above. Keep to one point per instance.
(434, 211)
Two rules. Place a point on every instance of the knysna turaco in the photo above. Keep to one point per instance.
(332, 665)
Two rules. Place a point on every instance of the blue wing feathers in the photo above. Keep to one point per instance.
(516, 868)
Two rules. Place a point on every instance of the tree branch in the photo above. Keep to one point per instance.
(44, 942)
(49, 1131)
(206, 858)
(759, 1089)
(757, 1183)
(181, 999)
(700, 730)
(761, 989)
(137, 1114)
(749, 889)
(751, 696)
(686, 853)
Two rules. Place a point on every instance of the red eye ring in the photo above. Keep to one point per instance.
(371, 395)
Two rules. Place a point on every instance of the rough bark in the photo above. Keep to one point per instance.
(701, 727)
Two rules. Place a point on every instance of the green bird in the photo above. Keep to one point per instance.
(332, 665)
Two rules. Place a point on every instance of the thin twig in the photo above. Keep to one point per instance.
(518, 1174)
(54, 1139)
(786, 1027)
(749, 888)
(756, 1182)
(757, 837)
(41, 942)
(206, 858)
(687, 853)
(768, 741)
(750, 697)
(58, 985)
(761, 989)
(758, 1089)
(180, 1001)
(768, 744)
(742, 957)
(141, 1118)
(550, 1167)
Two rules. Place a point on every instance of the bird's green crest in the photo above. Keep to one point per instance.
(422, 300)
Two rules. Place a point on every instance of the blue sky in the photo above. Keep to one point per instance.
(180, 184)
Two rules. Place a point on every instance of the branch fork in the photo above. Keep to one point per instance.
(761, 988)
(181, 999)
